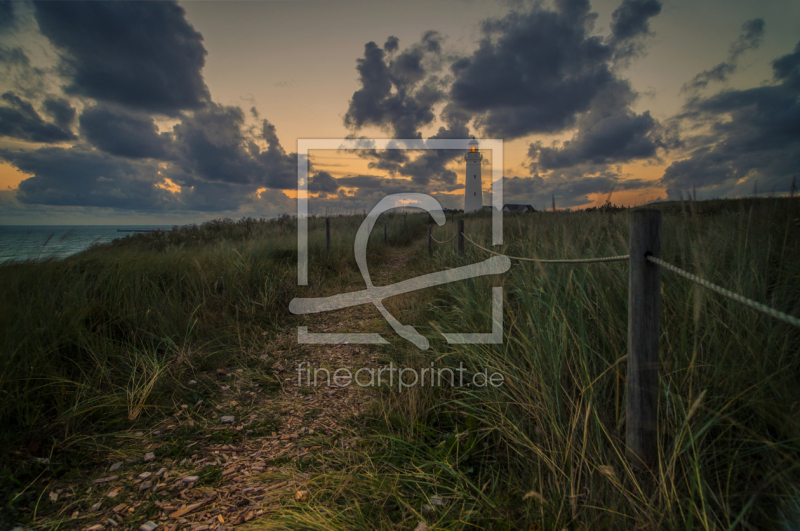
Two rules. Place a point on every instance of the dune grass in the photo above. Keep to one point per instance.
(101, 342)
(545, 450)
(105, 340)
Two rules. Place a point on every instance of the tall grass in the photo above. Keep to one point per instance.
(101, 341)
(545, 450)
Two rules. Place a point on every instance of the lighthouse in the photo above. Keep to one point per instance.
(473, 196)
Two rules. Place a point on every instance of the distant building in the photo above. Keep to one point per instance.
(508, 207)
(473, 192)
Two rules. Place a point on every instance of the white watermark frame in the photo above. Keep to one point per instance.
(375, 295)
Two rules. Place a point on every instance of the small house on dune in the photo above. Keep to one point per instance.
(508, 207)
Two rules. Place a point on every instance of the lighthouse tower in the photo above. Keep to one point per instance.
(473, 196)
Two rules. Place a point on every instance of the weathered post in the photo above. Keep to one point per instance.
(430, 238)
(385, 239)
(328, 235)
(460, 238)
(644, 299)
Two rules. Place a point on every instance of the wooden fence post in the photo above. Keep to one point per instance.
(644, 299)
(460, 238)
(430, 238)
(328, 235)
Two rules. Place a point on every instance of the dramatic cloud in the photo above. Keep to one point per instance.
(749, 137)
(609, 133)
(750, 39)
(85, 177)
(61, 111)
(533, 72)
(279, 168)
(7, 20)
(20, 120)
(632, 18)
(323, 182)
(17, 73)
(536, 72)
(213, 145)
(391, 45)
(121, 133)
(143, 55)
(392, 96)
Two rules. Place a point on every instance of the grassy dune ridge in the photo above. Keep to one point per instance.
(100, 342)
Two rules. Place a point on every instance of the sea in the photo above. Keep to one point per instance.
(42, 242)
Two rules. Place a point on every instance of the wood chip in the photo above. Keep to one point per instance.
(189, 508)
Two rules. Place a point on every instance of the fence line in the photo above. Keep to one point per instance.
(621, 258)
(772, 312)
(446, 241)
(643, 321)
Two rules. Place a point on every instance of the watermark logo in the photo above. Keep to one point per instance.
(402, 377)
(376, 294)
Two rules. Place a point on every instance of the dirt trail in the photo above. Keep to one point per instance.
(254, 449)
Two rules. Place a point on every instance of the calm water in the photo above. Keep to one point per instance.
(23, 242)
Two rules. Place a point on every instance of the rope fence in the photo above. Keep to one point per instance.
(622, 258)
(772, 312)
(644, 301)
(446, 241)
(644, 305)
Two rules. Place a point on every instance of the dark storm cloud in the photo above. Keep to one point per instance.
(632, 18)
(393, 95)
(431, 165)
(279, 168)
(122, 133)
(322, 182)
(7, 20)
(754, 137)
(80, 176)
(213, 145)
(61, 111)
(17, 72)
(399, 95)
(609, 133)
(388, 160)
(749, 39)
(392, 44)
(533, 72)
(143, 55)
(18, 119)
(217, 162)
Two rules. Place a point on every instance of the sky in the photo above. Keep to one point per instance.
(173, 113)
